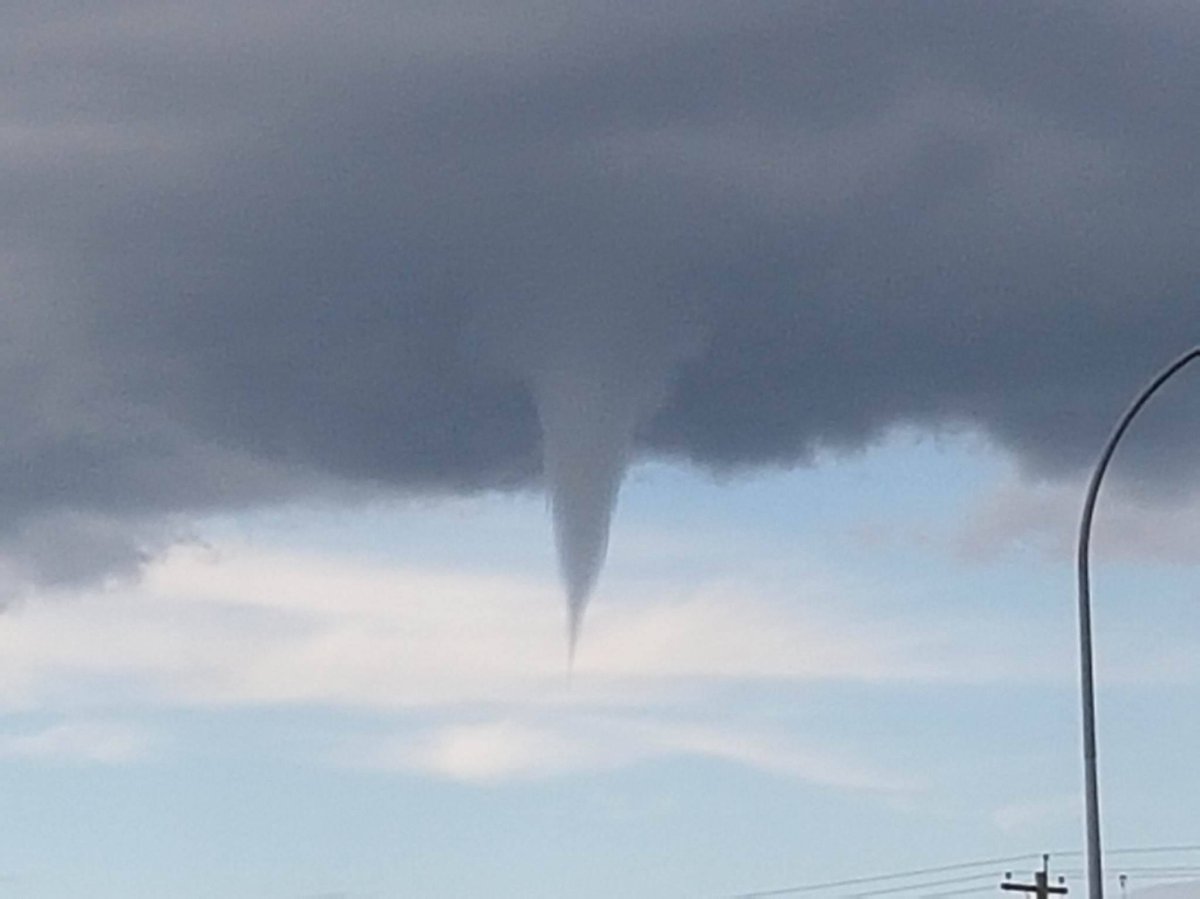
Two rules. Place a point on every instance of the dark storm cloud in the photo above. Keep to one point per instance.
(254, 250)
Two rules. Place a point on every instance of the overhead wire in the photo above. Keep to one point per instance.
(909, 887)
(1156, 869)
(959, 866)
(879, 878)
(1135, 850)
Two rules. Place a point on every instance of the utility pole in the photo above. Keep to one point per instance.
(1041, 885)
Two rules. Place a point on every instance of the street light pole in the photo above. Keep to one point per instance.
(1087, 685)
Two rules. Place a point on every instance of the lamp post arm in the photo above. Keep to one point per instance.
(1087, 684)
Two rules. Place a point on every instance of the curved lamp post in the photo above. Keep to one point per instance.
(1092, 798)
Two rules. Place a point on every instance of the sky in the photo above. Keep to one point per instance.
(613, 449)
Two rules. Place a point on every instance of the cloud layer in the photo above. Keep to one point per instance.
(455, 675)
(271, 250)
(238, 626)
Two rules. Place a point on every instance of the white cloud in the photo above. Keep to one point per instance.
(239, 626)
(486, 752)
(1045, 517)
(104, 742)
(482, 654)
(492, 751)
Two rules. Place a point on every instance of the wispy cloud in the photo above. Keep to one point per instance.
(102, 742)
(237, 626)
(494, 751)
(1045, 517)
(469, 666)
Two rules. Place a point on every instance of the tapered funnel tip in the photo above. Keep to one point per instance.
(574, 627)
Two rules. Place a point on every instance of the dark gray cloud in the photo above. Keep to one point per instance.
(251, 251)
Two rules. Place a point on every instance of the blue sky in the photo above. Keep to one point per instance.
(857, 667)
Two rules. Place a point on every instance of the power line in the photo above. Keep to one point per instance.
(1165, 869)
(878, 878)
(1136, 850)
(1156, 872)
(989, 875)
(917, 872)
(1156, 869)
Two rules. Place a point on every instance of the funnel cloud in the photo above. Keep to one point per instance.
(287, 253)
(588, 418)
(596, 377)
(587, 437)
